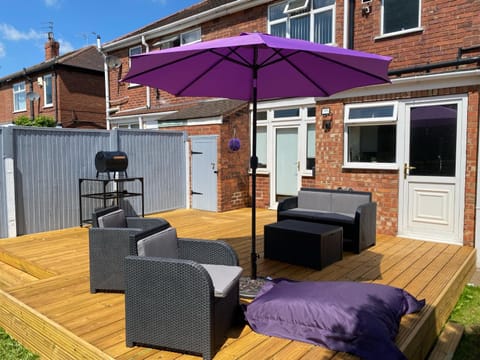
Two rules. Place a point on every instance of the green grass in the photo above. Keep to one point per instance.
(467, 313)
(12, 350)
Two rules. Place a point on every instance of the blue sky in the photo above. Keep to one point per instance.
(24, 25)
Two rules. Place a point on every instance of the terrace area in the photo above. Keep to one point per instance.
(45, 301)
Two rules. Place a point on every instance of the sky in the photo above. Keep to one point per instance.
(24, 25)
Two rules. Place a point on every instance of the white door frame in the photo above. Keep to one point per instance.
(273, 153)
(403, 143)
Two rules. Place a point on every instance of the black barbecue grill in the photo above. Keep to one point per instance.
(111, 161)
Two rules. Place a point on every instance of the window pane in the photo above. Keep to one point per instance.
(285, 113)
(279, 30)
(400, 15)
(323, 27)
(261, 115)
(310, 146)
(135, 50)
(317, 4)
(190, 37)
(372, 143)
(433, 140)
(47, 83)
(371, 112)
(19, 97)
(311, 111)
(262, 146)
(300, 28)
(275, 12)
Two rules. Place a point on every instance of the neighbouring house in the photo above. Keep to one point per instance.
(412, 143)
(69, 88)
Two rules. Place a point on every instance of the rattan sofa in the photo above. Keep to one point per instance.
(185, 303)
(354, 211)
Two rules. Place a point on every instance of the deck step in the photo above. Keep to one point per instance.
(447, 342)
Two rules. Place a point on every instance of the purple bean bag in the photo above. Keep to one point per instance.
(358, 318)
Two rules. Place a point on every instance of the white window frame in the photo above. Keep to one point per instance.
(302, 4)
(296, 12)
(18, 92)
(376, 121)
(300, 122)
(400, 32)
(194, 31)
(133, 51)
(45, 89)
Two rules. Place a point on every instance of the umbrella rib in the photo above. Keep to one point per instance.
(221, 58)
(153, 68)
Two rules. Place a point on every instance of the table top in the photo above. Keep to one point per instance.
(304, 226)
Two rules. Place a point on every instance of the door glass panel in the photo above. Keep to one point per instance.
(286, 162)
(433, 138)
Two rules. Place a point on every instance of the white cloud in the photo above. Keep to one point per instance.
(65, 46)
(3, 53)
(9, 32)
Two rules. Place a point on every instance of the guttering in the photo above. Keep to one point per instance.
(414, 83)
(195, 20)
(147, 49)
(439, 65)
(348, 23)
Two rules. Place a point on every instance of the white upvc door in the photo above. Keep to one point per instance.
(286, 166)
(432, 171)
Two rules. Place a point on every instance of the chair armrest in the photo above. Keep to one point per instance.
(288, 203)
(207, 251)
(285, 204)
(366, 219)
(146, 223)
(107, 250)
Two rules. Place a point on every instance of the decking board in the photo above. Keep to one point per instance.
(52, 312)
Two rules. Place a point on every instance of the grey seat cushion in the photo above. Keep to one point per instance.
(223, 277)
(315, 215)
(160, 244)
(114, 219)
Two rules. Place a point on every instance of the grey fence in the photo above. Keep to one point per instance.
(48, 164)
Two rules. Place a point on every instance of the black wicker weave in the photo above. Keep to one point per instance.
(109, 246)
(170, 303)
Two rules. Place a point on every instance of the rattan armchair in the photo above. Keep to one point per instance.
(108, 246)
(185, 303)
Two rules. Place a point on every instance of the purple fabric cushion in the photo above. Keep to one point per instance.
(358, 318)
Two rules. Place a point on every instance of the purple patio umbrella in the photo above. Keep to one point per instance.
(256, 66)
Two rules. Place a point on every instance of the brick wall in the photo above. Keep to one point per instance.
(81, 99)
(232, 185)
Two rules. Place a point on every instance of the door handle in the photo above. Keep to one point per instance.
(406, 170)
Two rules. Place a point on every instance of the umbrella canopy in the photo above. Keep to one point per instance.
(256, 66)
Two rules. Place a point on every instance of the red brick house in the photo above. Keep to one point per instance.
(412, 143)
(70, 88)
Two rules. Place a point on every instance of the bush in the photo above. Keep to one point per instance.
(39, 121)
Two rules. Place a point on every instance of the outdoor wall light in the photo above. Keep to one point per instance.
(327, 125)
(327, 119)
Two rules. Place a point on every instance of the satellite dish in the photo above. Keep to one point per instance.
(113, 62)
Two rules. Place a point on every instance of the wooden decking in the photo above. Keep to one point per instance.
(45, 301)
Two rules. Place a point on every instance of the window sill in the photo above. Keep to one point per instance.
(371, 166)
(48, 106)
(398, 33)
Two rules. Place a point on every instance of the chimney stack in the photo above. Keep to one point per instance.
(52, 47)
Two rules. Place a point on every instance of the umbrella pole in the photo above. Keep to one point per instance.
(254, 165)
